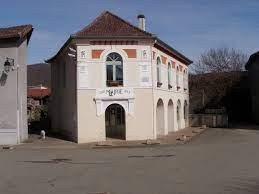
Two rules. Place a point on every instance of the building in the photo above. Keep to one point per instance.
(38, 98)
(37, 102)
(40, 94)
(114, 80)
(13, 83)
(253, 71)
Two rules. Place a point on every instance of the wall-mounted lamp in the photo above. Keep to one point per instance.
(8, 65)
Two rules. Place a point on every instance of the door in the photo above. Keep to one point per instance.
(115, 122)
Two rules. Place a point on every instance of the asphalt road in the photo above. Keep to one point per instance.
(218, 161)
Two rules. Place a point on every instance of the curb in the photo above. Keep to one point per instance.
(96, 147)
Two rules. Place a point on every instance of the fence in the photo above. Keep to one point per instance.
(210, 120)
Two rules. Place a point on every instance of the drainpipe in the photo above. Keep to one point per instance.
(151, 53)
(17, 104)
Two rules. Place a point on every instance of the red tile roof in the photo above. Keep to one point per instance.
(38, 92)
(110, 25)
(15, 31)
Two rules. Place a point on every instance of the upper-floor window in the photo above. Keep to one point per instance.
(169, 75)
(114, 70)
(177, 78)
(158, 72)
(185, 79)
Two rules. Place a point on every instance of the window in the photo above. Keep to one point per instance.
(114, 70)
(185, 80)
(158, 72)
(169, 69)
(177, 78)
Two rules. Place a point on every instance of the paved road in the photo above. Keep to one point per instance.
(218, 161)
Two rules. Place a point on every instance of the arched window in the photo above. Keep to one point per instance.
(114, 70)
(169, 72)
(177, 78)
(158, 72)
(184, 79)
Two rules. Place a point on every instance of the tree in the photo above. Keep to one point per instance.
(220, 60)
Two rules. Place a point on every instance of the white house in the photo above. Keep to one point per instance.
(114, 80)
(13, 83)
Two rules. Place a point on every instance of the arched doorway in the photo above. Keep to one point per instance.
(186, 112)
(115, 122)
(170, 116)
(178, 112)
(160, 117)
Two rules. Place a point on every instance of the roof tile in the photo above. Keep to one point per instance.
(15, 31)
(108, 24)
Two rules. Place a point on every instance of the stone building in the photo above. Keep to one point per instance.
(253, 73)
(114, 80)
(13, 83)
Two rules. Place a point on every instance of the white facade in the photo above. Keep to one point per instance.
(141, 106)
(138, 98)
(13, 85)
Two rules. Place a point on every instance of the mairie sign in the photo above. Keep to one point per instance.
(114, 92)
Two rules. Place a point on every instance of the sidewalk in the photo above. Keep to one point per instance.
(174, 138)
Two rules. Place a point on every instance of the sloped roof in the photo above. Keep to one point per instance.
(252, 59)
(16, 31)
(40, 92)
(110, 25)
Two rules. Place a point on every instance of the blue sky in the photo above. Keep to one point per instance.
(190, 26)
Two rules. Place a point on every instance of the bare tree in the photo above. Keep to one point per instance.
(220, 60)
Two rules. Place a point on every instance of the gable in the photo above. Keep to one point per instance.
(110, 25)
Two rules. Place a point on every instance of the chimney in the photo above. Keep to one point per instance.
(141, 22)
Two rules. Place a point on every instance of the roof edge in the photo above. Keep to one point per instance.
(60, 50)
(72, 37)
(177, 53)
(24, 33)
(119, 18)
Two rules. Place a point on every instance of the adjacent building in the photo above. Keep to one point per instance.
(253, 71)
(13, 83)
(115, 80)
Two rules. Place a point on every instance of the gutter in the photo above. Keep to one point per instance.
(175, 52)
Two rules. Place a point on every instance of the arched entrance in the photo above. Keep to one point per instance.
(160, 117)
(170, 117)
(178, 112)
(186, 113)
(115, 122)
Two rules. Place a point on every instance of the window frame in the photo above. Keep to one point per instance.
(178, 77)
(169, 75)
(115, 60)
(158, 73)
